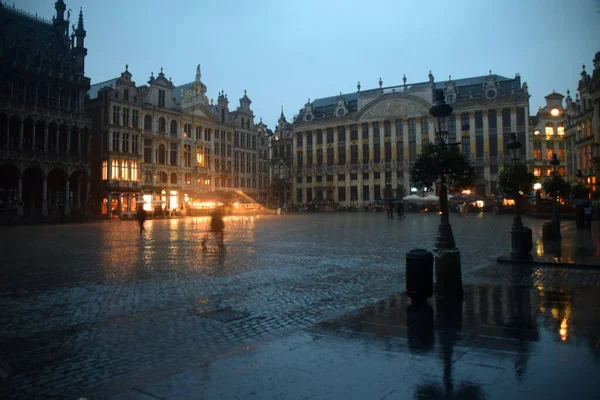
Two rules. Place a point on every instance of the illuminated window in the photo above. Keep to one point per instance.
(134, 171)
(537, 154)
(537, 171)
(200, 156)
(114, 170)
(549, 153)
(104, 170)
(561, 130)
(188, 178)
(125, 170)
(536, 132)
(549, 130)
(548, 171)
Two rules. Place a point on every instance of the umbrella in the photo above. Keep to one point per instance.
(431, 198)
(413, 197)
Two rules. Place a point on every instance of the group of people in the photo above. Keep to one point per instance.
(389, 210)
(584, 215)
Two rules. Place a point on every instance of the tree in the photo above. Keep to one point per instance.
(435, 161)
(580, 191)
(515, 180)
(556, 186)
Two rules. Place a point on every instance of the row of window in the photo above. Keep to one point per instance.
(549, 130)
(341, 192)
(387, 175)
(124, 170)
(548, 171)
(123, 142)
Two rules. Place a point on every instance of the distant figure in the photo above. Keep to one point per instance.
(400, 210)
(216, 227)
(141, 217)
(589, 214)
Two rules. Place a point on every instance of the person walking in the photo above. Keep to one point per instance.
(589, 215)
(400, 209)
(217, 227)
(141, 217)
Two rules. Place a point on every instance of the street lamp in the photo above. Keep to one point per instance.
(555, 220)
(579, 176)
(448, 275)
(441, 110)
(521, 236)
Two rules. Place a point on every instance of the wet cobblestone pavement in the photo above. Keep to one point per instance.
(94, 310)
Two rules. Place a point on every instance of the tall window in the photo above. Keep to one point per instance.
(425, 126)
(161, 98)
(549, 153)
(173, 127)
(365, 130)
(388, 152)
(134, 143)
(341, 131)
(125, 116)
(353, 154)
(116, 112)
(147, 150)
(341, 155)
(236, 161)
(162, 154)
(330, 156)
(387, 128)
(399, 128)
(147, 123)
(187, 155)
(173, 157)
(207, 135)
(198, 133)
(549, 130)
(300, 159)
(148, 177)
(125, 142)
(365, 149)
(124, 170)
(319, 157)
(162, 125)
(134, 171)
(115, 146)
(228, 150)
(353, 132)
(126, 95)
(319, 136)
(135, 118)
(537, 151)
(309, 158)
(114, 173)
(243, 163)
(492, 121)
(104, 170)
(376, 154)
(187, 130)
(561, 130)
(200, 156)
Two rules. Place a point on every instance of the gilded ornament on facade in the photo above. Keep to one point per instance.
(386, 109)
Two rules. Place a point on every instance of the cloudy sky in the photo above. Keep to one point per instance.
(284, 52)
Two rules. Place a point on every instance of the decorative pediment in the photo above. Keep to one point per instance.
(395, 107)
(199, 111)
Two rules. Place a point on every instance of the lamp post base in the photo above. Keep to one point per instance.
(551, 230)
(445, 237)
(521, 243)
(448, 274)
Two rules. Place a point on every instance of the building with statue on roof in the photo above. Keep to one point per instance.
(280, 157)
(349, 148)
(170, 148)
(547, 137)
(44, 132)
(582, 128)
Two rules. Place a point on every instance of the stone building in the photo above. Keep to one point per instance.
(547, 137)
(582, 129)
(262, 142)
(179, 147)
(44, 132)
(280, 156)
(349, 148)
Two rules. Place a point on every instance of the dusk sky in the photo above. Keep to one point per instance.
(285, 52)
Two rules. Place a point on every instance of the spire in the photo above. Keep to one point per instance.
(80, 20)
(60, 8)
(282, 116)
(198, 73)
(358, 86)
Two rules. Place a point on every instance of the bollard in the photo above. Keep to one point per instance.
(419, 275)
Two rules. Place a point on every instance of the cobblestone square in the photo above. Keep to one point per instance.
(94, 309)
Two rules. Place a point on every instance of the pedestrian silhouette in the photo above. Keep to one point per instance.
(216, 228)
(141, 217)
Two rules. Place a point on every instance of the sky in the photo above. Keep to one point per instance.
(284, 52)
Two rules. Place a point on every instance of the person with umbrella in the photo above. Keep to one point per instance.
(141, 217)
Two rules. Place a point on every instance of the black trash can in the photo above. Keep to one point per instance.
(419, 275)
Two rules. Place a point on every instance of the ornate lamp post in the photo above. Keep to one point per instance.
(448, 275)
(579, 176)
(521, 236)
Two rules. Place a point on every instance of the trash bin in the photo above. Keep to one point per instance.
(419, 275)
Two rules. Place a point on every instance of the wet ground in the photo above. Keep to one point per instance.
(96, 310)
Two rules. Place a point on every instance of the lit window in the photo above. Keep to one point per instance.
(134, 171)
(549, 130)
(125, 170)
(549, 172)
(536, 132)
(561, 130)
(537, 171)
(555, 112)
(115, 170)
(104, 170)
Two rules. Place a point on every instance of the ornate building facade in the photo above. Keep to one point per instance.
(350, 148)
(280, 156)
(44, 132)
(179, 147)
(582, 128)
(547, 137)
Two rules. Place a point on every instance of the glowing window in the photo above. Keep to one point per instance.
(536, 132)
(104, 170)
(537, 171)
(124, 170)
(134, 171)
(549, 130)
(115, 170)
(561, 130)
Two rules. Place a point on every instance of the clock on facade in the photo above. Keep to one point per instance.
(340, 112)
(490, 93)
(450, 98)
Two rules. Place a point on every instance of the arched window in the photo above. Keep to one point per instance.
(126, 95)
(174, 178)
(162, 154)
(147, 123)
(173, 127)
(549, 131)
(148, 177)
(162, 125)
(163, 177)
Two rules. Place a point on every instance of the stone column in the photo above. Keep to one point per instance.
(348, 129)
(46, 137)
(382, 145)
(314, 153)
(472, 134)
(7, 143)
(360, 143)
(371, 170)
(34, 135)
(69, 141)
(458, 126)
(57, 139)
(20, 194)
(67, 197)
(419, 132)
(500, 136)
(431, 128)
(21, 134)
(406, 154)
(336, 155)
(78, 195)
(359, 178)
(79, 142)
(486, 152)
(45, 195)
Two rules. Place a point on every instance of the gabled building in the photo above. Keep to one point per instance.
(280, 157)
(547, 137)
(44, 132)
(349, 148)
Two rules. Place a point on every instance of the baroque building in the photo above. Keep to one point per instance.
(44, 132)
(168, 147)
(351, 147)
(582, 128)
(280, 156)
(547, 137)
